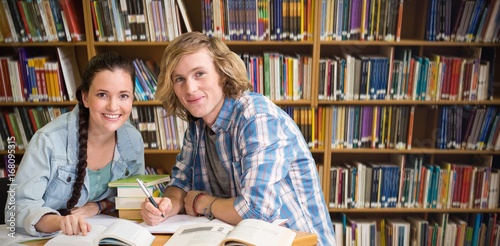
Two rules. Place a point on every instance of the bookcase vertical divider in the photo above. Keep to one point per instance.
(89, 30)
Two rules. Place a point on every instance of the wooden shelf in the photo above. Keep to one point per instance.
(35, 104)
(406, 43)
(413, 151)
(407, 102)
(44, 44)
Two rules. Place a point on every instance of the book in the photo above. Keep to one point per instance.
(149, 180)
(247, 232)
(121, 232)
(69, 67)
(184, 15)
(130, 214)
(128, 202)
(129, 191)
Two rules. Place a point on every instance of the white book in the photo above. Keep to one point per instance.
(121, 232)
(247, 232)
(69, 66)
(339, 233)
(128, 202)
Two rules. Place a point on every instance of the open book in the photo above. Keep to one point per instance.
(121, 232)
(247, 232)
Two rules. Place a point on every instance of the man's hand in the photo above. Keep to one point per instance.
(152, 215)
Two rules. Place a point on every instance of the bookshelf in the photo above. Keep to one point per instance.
(426, 114)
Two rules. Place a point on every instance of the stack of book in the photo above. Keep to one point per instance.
(130, 195)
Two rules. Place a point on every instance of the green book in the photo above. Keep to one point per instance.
(149, 180)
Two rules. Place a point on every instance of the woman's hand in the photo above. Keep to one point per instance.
(74, 225)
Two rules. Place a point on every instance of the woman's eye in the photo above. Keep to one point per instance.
(178, 80)
(199, 74)
(101, 95)
(124, 96)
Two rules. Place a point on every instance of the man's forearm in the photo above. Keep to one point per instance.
(176, 196)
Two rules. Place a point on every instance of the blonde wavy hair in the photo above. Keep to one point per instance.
(231, 69)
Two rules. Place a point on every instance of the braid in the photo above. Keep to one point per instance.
(83, 124)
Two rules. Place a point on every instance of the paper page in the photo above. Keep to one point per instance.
(103, 220)
(128, 232)
(258, 232)
(171, 224)
(63, 239)
(208, 234)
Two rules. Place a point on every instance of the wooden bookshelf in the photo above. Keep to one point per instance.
(412, 37)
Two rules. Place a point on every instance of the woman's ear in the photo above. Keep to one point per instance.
(85, 99)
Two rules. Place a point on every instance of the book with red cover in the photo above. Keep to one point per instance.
(6, 88)
(73, 11)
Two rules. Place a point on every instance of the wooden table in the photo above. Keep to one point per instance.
(301, 239)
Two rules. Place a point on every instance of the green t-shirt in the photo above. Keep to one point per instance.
(99, 181)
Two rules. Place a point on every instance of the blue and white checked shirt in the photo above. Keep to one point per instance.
(272, 172)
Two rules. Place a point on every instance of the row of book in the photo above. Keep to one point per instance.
(468, 127)
(257, 20)
(361, 20)
(414, 184)
(449, 185)
(353, 78)
(279, 76)
(382, 127)
(442, 77)
(463, 21)
(22, 123)
(438, 229)
(146, 79)
(40, 78)
(403, 76)
(138, 20)
(158, 130)
(41, 21)
(311, 122)
(35, 78)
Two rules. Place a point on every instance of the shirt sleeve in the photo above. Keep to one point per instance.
(30, 184)
(265, 162)
(182, 171)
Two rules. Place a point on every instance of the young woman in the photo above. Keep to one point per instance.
(63, 176)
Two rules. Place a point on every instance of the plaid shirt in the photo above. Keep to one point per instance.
(271, 170)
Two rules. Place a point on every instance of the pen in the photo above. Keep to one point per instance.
(141, 184)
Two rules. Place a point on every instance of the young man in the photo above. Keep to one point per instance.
(242, 156)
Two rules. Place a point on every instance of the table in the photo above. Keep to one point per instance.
(302, 239)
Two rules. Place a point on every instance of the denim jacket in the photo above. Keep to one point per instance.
(45, 177)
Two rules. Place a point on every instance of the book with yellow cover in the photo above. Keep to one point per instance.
(149, 180)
